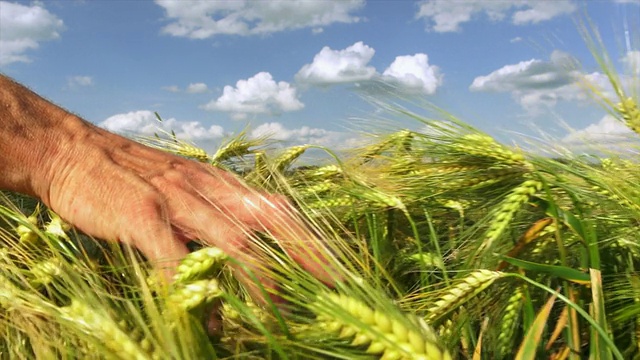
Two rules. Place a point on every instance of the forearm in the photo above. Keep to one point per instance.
(34, 135)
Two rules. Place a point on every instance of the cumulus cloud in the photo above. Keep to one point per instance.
(339, 66)
(197, 88)
(144, 123)
(259, 94)
(534, 83)
(537, 84)
(79, 81)
(608, 129)
(413, 74)
(22, 28)
(305, 135)
(447, 16)
(604, 137)
(204, 18)
(408, 73)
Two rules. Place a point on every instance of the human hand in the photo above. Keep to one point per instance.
(113, 188)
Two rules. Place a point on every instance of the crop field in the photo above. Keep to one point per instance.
(449, 245)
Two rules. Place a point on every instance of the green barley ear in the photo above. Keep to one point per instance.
(194, 296)
(84, 318)
(331, 202)
(200, 264)
(461, 292)
(289, 156)
(192, 151)
(485, 146)
(46, 271)
(505, 212)
(400, 139)
(383, 335)
(238, 146)
(628, 110)
(509, 322)
(27, 231)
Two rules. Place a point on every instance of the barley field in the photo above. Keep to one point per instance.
(449, 245)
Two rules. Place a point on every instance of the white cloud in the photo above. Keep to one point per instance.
(305, 135)
(409, 73)
(144, 122)
(538, 11)
(79, 81)
(414, 74)
(205, 18)
(197, 88)
(609, 135)
(259, 94)
(447, 16)
(22, 28)
(193, 88)
(606, 130)
(339, 66)
(171, 88)
(516, 39)
(536, 83)
(631, 62)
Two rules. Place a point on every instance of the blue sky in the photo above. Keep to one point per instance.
(301, 70)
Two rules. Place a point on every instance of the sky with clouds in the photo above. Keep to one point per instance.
(303, 71)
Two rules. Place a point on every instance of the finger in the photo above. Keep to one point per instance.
(205, 221)
(275, 215)
(152, 234)
(262, 289)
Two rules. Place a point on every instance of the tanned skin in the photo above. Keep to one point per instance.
(114, 188)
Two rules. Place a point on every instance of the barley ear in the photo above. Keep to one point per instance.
(92, 323)
(194, 296)
(385, 335)
(461, 292)
(509, 321)
(628, 110)
(200, 264)
(507, 210)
